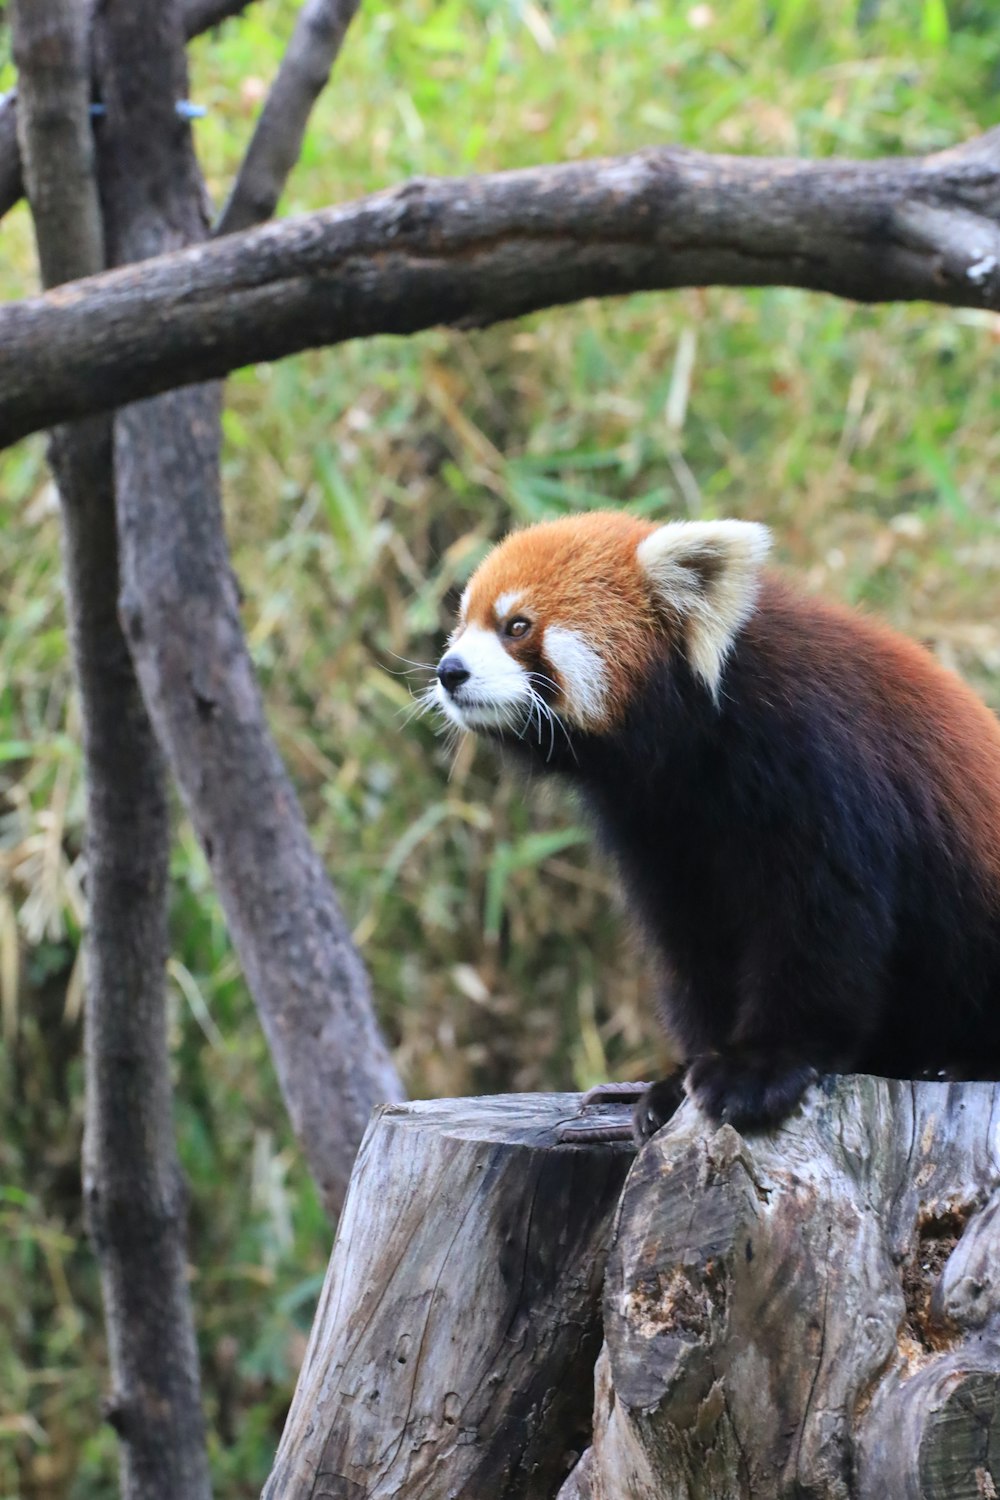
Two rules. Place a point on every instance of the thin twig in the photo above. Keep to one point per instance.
(277, 140)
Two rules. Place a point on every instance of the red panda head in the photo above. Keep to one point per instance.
(570, 615)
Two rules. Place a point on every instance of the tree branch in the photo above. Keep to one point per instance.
(180, 608)
(134, 1193)
(471, 251)
(277, 140)
(198, 16)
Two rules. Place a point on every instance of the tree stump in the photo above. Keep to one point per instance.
(453, 1349)
(809, 1313)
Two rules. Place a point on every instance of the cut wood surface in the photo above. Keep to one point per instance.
(809, 1313)
(453, 1350)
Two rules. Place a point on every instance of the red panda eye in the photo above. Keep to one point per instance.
(517, 628)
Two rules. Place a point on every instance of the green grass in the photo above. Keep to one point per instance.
(362, 485)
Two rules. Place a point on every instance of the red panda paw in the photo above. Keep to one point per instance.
(657, 1105)
(748, 1090)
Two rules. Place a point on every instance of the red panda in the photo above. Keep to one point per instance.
(803, 806)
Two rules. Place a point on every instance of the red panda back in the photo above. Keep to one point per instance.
(903, 704)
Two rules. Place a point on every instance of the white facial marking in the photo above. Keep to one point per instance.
(708, 573)
(506, 602)
(583, 673)
(497, 693)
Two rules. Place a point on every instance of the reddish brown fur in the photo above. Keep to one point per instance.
(811, 843)
(580, 572)
(908, 704)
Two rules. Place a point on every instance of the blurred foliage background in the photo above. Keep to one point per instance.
(363, 484)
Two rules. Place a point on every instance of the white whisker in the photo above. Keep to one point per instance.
(554, 722)
(423, 701)
(423, 666)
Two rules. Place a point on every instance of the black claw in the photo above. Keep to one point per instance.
(658, 1104)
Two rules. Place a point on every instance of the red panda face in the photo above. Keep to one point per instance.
(567, 617)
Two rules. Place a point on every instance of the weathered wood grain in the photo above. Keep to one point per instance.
(810, 1313)
(453, 1349)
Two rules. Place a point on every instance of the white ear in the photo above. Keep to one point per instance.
(707, 573)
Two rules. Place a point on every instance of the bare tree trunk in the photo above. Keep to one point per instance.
(453, 1348)
(180, 607)
(133, 1190)
(470, 251)
(809, 1313)
(199, 16)
(135, 1195)
(56, 144)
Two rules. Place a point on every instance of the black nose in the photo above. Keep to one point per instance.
(452, 672)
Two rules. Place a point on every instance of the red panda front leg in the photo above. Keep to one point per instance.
(748, 1089)
(810, 1000)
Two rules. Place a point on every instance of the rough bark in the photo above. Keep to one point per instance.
(814, 1312)
(470, 251)
(454, 1342)
(133, 1190)
(198, 15)
(277, 140)
(56, 143)
(180, 608)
